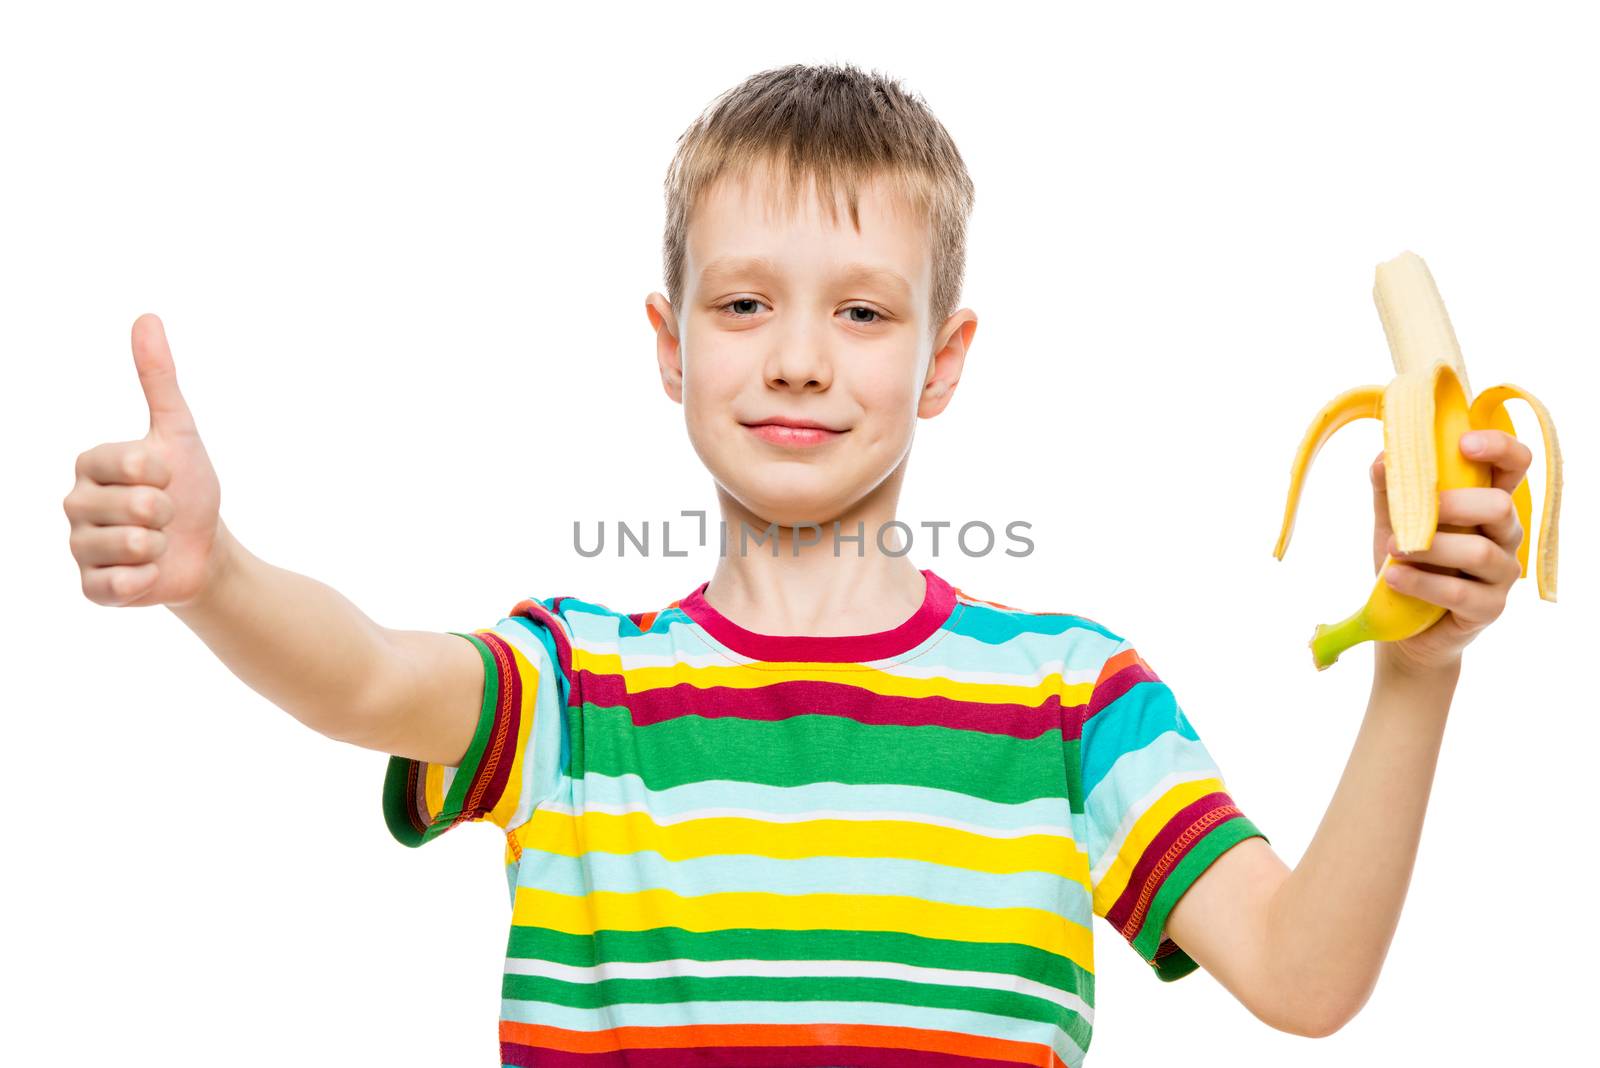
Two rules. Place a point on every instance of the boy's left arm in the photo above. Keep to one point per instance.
(1302, 949)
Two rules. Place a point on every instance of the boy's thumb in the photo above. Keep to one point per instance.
(159, 379)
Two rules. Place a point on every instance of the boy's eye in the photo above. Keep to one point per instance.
(739, 312)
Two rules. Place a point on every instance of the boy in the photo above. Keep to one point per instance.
(825, 808)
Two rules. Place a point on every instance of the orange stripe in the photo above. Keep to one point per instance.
(1123, 659)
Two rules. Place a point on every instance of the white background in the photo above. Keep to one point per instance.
(402, 252)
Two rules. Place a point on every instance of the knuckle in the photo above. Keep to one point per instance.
(143, 505)
(131, 464)
(1484, 553)
(124, 583)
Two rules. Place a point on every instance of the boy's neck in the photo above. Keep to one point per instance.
(836, 580)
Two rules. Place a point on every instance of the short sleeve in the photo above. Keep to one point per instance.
(520, 745)
(1156, 810)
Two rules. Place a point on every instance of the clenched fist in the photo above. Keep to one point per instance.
(145, 522)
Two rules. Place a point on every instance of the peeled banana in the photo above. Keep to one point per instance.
(1425, 409)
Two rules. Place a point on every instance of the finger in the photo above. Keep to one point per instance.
(132, 463)
(112, 506)
(1470, 601)
(1487, 507)
(153, 358)
(118, 585)
(109, 546)
(1509, 456)
(1380, 487)
(1477, 555)
(1382, 528)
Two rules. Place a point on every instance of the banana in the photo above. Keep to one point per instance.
(1424, 410)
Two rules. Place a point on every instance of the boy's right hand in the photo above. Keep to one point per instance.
(146, 528)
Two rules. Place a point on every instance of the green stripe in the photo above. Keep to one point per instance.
(1071, 755)
(1218, 840)
(681, 988)
(672, 943)
(812, 748)
(395, 808)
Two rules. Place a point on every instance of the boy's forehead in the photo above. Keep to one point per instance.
(748, 223)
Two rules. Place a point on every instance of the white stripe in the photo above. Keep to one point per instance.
(636, 660)
(554, 805)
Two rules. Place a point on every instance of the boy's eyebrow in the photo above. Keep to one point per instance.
(849, 272)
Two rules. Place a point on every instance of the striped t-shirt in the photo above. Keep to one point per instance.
(741, 849)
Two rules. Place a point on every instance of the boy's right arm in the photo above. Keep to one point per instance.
(147, 530)
(306, 648)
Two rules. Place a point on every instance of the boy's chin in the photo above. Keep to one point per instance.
(788, 503)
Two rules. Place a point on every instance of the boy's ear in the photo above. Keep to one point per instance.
(669, 354)
(944, 366)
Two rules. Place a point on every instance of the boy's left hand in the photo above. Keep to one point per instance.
(1489, 559)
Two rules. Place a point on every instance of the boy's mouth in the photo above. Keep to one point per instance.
(794, 433)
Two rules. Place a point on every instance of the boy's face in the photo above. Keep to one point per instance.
(801, 317)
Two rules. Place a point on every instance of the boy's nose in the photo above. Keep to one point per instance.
(799, 369)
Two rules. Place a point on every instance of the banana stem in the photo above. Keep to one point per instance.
(1331, 639)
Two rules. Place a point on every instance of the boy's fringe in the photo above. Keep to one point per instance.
(841, 127)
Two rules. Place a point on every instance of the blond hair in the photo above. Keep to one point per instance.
(843, 128)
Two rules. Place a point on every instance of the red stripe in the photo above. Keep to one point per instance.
(1170, 845)
(781, 700)
(553, 623)
(938, 603)
(498, 760)
(416, 800)
(1119, 675)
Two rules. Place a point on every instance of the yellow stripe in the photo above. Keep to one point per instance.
(738, 677)
(433, 789)
(566, 835)
(603, 909)
(1155, 818)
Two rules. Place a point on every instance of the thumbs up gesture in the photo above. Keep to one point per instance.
(145, 522)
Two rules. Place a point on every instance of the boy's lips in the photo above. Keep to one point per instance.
(794, 433)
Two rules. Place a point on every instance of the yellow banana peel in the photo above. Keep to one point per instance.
(1425, 409)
